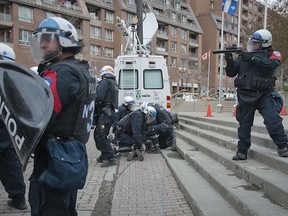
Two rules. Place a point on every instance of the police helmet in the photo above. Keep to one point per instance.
(7, 54)
(128, 100)
(54, 30)
(150, 114)
(262, 36)
(107, 69)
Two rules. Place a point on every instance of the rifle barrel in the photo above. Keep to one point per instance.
(227, 51)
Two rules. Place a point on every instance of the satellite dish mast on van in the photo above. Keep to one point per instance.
(134, 45)
(141, 75)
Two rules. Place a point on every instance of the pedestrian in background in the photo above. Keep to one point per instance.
(255, 87)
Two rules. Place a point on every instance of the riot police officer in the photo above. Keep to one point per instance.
(255, 81)
(106, 102)
(161, 130)
(11, 174)
(54, 45)
(125, 108)
(130, 130)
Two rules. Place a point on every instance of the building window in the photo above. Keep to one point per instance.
(183, 19)
(25, 14)
(108, 35)
(129, 17)
(167, 2)
(173, 31)
(95, 50)
(109, 16)
(131, 2)
(49, 14)
(173, 16)
(183, 34)
(183, 48)
(110, 2)
(109, 52)
(95, 32)
(24, 37)
(173, 46)
(173, 61)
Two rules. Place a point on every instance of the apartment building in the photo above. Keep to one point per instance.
(178, 39)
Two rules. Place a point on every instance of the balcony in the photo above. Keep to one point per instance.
(5, 20)
(162, 34)
(193, 42)
(162, 51)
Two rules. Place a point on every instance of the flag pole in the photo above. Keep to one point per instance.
(208, 79)
(239, 36)
(265, 15)
(219, 105)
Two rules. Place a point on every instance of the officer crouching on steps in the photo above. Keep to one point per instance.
(255, 81)
(106, 102)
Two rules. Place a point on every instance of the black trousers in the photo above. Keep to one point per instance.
(11, 174)
(45, 201)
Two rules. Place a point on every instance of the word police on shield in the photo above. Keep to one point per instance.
(26, 106)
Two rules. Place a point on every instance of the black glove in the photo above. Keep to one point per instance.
(228, 56)
(246, 57)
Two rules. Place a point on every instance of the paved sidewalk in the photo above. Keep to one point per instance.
(137, 188)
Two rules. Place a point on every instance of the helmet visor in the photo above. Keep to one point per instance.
(253, 45)
(44, 46)
(149, 118)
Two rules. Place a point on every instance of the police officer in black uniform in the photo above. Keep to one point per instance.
(106, 102)
(11, 174)
(255, 81)
(74, 91)
(125, 108)
(130, 130)
(162, 129)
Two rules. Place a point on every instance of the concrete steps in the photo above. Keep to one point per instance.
(257, 186)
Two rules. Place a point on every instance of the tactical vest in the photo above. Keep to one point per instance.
(253, 78)
(76, 118)
(125, 123)
(162, 114)
(112, 95)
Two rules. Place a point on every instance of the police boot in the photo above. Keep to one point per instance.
(172, 144)
(18, 204)
(131, 155)
(240, 156)
(283, 152)
(139, 154)
(155, 150)
(110, 162)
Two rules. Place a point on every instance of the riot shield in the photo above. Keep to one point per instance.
(26, 106)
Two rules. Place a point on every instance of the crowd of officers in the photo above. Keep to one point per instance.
(75, 88)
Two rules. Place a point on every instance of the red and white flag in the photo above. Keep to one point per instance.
(206, 55)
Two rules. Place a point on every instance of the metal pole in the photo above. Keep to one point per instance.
(208, 78)
(219, 106)
(265, 15)
(139, 6)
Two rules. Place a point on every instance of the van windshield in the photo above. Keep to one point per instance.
(126, 80)
(153, 79)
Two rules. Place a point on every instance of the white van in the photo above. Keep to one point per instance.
(143, 77)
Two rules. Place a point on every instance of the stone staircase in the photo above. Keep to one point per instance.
(214, 184)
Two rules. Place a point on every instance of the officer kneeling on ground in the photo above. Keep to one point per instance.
(255, 81)
(160, 131)
(130, 131)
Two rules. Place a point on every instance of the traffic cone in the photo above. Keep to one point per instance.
(283, 112)
(209, 113)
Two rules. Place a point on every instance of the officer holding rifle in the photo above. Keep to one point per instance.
(255, 80)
